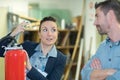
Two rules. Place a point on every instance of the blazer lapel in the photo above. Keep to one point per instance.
(50, 64)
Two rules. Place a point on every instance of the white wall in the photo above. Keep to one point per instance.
(19, 7)
(90, 30)
(3, 21)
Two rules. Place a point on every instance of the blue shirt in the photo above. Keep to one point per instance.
(109, 55)
(39, 61)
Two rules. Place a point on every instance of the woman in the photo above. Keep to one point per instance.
(45, 62)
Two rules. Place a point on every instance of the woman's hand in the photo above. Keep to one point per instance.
(28, 64)
(20, 28)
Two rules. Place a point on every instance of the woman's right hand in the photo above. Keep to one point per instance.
(20, 28)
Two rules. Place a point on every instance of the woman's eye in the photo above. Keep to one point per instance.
(44, 30)
(53, 30)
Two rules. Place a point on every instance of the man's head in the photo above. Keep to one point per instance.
(107, 15)
(110, 5)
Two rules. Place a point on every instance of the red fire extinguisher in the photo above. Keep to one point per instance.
(15, 63)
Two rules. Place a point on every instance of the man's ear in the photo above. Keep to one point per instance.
(111, 16)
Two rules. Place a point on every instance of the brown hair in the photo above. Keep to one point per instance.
(107, 5)
(49, 18)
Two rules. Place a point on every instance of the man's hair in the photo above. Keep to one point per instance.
(107, 5)
(49, 18)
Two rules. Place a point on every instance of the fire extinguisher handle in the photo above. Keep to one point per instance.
(13, 42)
(15, 47)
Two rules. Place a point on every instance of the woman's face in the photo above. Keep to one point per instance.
(48, 33)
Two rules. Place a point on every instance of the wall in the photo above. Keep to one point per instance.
(90, 30)
(3, 21)
(19, 7)
(75, 7)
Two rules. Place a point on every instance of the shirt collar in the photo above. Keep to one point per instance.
(51, 53)
(112, 43)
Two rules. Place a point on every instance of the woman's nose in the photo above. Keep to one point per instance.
(49, 32)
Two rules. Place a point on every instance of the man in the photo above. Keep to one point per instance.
(105, 64)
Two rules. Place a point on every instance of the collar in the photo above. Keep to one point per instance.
(108, 41)
(51, 53)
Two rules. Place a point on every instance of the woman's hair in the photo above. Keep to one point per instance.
(49, 18)
(107, 5)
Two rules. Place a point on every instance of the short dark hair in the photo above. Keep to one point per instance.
(48, 18)
(107, 5)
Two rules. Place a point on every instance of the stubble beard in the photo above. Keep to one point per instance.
(100, 31)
